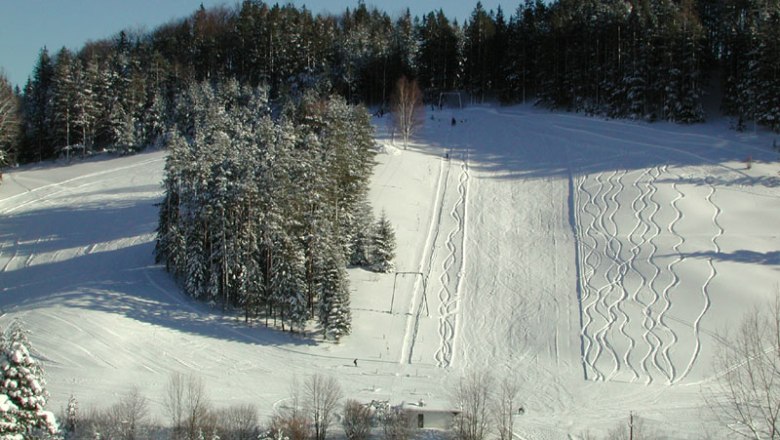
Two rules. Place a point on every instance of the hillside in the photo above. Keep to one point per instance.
(596, 261)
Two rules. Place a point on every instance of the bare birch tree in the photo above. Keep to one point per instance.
(238, 422)
(10, 120)
(289, 420)
(322, 396)
(747, 397)
(187, 405)
(407, 107)
(130, 414)
(504, 404)
(356, 420)
(472, 397)
(173, 401)
(394, 422)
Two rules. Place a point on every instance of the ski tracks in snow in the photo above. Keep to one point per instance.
(453, 269)
(627, 289)
(451, 265)
(417, 302)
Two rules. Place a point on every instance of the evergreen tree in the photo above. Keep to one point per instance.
(98, 77)
(335, 316)
(196, 268)
(480, 33)
(384, 245)
(498, 53)
(768, 75)
(153, 119)
(22, 389)
(63, 99)
(403, 52)
(439, 58)
(635, 79)
(71, 428)
(84, 106)
(524, 40)
(288, 283)
(688, 108)
(363, 247)
(37, 106)
(170, 245)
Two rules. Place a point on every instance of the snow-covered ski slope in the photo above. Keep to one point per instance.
(597, 262)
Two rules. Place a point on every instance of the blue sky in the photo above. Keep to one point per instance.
(26, 26)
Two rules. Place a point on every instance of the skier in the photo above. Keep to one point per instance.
(454, 122)
(355, 362)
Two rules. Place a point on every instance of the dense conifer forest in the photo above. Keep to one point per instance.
(644, 59)
(265, 213)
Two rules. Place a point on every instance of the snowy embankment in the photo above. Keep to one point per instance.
(594, 261)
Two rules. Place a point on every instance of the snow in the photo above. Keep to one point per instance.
(6, 405)
(596, 261)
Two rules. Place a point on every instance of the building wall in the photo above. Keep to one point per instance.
(429, 418)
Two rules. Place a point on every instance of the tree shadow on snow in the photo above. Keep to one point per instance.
(530, 143)
(741, 181)
(100, 258)
(45, 232)
(742, 256)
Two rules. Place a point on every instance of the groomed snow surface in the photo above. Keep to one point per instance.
(597, 262)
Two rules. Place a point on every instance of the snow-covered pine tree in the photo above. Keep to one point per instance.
(335, 315)
(384, 245)
(22, 390)
(636, 75)
(170, 247)
(9, 426)
(153, 119)
(686, 106)
(288, 283)
(363, 239)
(70, 429)
(63, 99)
(768, 77)
(250, 290)
(83, 107)
(121, 127)
(346, 141)
(37, 108)
(196, 272)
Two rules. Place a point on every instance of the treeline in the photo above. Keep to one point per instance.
(647, 59)
(265, 213)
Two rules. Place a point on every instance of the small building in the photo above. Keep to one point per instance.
(421, 416)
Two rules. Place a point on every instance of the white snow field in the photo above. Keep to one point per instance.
(595, 261)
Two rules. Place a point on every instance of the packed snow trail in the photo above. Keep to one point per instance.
(452, 271)
(419, 297)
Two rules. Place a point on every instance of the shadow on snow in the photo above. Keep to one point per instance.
(119, 278)
(530, 143)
